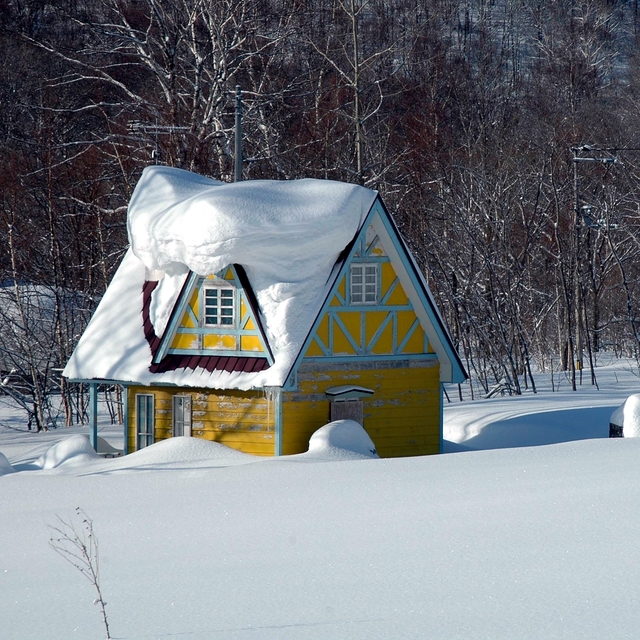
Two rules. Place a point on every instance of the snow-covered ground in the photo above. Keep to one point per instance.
(200, 542)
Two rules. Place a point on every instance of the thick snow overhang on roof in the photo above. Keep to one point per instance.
(286, 235)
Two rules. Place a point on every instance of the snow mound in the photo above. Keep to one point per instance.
(183, 449)
(77, 447)
(627, 416)
(5, 465)
(341, 439)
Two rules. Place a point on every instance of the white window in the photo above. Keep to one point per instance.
(181, 415)
(218, 304)
(364, 283)
(144, 420)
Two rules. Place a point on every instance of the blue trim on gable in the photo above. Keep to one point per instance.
(176, 316)
(125, 419)
(358, 253)
(278, 425)
(420, 287)
(442, 417)
(383, 325)
(336, 318)
(412, 328)
(357, 248)
(391, 289)
(373, 358)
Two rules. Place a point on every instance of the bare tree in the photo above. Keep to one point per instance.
(78, 545)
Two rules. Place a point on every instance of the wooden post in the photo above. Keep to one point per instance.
(125, 420)
(93, 415)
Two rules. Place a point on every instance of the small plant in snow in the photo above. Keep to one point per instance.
(78, 545)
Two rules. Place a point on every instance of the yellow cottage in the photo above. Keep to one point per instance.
(252, 314)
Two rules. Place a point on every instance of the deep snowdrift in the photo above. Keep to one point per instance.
(339, 440)
(515, 544)
(76, 448)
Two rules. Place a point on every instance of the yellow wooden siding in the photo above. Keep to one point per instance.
(314, 350)
(387, 277)
(411, 331)
(219, 341)
(384, 344)
(250, 343)
(184, 341)
(323, 330)
(242, 420)
(402, 417)
(397, 296)
(194, 303)
(341, 344)
(373, 320)
(349, 330)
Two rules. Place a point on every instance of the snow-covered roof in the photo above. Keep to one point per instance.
(286, 235)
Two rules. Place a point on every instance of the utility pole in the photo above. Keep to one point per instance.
(594, 154)
(577, 358)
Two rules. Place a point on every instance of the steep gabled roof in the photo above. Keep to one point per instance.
(288, 237)
(413, 282)
(287, 244)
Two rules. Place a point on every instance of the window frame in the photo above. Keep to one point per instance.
(363, 302)
(219, 288)
(187, 423)
(146, 437)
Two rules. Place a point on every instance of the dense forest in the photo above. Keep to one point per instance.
(503, 136)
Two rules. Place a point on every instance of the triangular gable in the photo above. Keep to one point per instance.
(379, 307)
(215, 316)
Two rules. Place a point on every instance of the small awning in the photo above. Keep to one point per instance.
(348, 392)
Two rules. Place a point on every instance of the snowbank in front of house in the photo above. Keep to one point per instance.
(76, 447)
(70, 453)
(517, 544)
(185, 450)
(287, 235)
(512, 544)
(341, 439)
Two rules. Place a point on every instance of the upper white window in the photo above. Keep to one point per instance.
(219, 306)
(363, 283)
